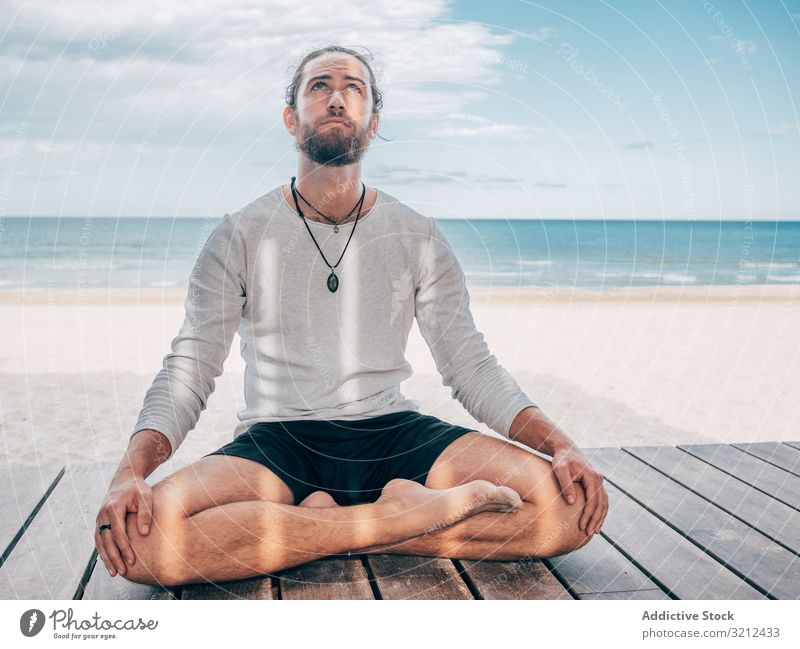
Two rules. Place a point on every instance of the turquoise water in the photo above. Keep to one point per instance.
(45, 252)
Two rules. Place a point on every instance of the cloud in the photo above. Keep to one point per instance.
(549, 185)
(784, 128)
(480, 127)
(195, 72)
(744, 47)
(407, 175)
(545, 34)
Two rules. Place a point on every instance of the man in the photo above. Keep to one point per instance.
(322, 278)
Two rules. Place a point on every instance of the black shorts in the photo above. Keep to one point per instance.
(352, 460)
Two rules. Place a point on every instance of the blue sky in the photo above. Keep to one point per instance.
(638, 110)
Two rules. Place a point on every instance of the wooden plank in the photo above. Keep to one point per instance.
(773, 518)
(254, 588)
(781, 455)
(331, 578)
(23, 488)
(101, 585)
(598, 567)
(52, 556)
(754, 557)
(631, 594)
(410, 577)
(526, 579)
(673, 562)
(770, 479)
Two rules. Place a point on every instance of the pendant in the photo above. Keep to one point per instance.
(333, 282)
(336, 228)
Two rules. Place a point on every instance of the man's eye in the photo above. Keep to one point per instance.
(353, 85)
(318, 83)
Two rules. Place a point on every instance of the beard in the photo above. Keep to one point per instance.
(334, 146)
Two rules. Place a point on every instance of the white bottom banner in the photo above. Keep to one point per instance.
(399, 624)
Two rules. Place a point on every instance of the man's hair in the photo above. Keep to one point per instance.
(291, 89)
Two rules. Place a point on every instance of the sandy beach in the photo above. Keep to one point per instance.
(618, 367)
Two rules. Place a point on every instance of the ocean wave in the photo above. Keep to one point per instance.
(769, 265)
(163, 284)
(784, 278)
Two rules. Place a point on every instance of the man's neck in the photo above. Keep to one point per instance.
(334, 191)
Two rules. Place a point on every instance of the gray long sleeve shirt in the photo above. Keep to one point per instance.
(313, 354)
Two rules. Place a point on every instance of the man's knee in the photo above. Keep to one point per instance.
(558, 529)
(160, 554)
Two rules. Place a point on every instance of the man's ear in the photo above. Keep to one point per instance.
(375, 120)
(290, 120)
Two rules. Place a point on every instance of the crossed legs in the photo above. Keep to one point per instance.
(225, 518)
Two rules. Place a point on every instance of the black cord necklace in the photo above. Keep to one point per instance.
(330, 220)
(333, 281)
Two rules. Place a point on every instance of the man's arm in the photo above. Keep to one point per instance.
(483, 386)
(146, 451)
(214, 304)
(485, 389)
(535, 429)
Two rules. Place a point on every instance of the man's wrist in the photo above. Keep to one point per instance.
(535, 429)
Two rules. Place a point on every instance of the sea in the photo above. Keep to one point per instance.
(40, 253)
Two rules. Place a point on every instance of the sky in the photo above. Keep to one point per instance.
(684, 110)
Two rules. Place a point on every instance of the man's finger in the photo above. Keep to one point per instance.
(599, 514)
(604, 511)
(145, 516)
(101, 551)
(565, 481)
(112, 552)
(120, 536)
(592, 501)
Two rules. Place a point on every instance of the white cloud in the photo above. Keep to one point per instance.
(785, 128)
(545, 34)
(197, 70)
(745, 47)
(481, 126)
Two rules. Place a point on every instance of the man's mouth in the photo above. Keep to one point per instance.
(335, 120)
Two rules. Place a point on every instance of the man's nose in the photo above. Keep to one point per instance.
(336, 101)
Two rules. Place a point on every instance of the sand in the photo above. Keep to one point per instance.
(613, 368)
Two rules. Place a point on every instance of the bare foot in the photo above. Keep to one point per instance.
(318, 499)
(411, 509)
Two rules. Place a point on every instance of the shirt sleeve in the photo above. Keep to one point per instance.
(483, 386)
(214, 305)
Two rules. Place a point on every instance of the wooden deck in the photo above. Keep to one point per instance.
(686, 522)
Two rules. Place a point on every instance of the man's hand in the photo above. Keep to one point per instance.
(127, 493)
(570, 465)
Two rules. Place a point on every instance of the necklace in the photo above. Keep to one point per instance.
(329, 219)
(333, 281)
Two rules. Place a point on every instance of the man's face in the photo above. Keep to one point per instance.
(333, 85)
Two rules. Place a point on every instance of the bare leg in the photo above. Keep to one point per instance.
(247, 538)
(544, 526)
